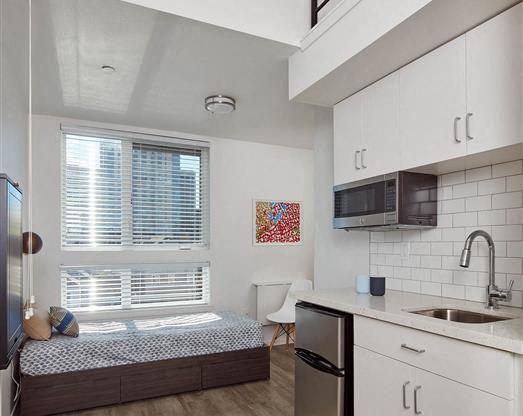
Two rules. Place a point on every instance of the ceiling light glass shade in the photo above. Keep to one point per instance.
(220, 104)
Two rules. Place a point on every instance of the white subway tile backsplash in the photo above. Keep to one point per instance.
(506, 200)
(443, 248)
(413, 286)
(478, 174)
(453, 234)
(507, 169)
(421, 274)
(430, 262)
(488, 198)
(475, 294)
(465, 219)
(453, 178)
(515, 249)
(479, 203)
(452, 206)
(444, 220)
(508, 265)
(491, 186)
(494, 217)
(506, 232)
(441, 276)
(431, 288)
(420, 248)
(453, 291)
(514, 183)
(465, 190)
(466, 278)
(445, 193)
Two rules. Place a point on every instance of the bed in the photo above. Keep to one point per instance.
(120, 361)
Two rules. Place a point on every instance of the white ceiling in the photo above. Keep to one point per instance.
(166, 66)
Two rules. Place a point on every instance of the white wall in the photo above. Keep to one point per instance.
(14, 111)
(283, 21)
(240, 172)
(338, 255)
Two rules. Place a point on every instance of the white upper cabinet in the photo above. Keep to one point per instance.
(432, 96)
(461, 99)
(494, 86)
(380, 127)
(348, 140)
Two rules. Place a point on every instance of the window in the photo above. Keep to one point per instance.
(137, 286)
(128, 192)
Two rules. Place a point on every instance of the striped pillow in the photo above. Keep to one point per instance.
(64, 321)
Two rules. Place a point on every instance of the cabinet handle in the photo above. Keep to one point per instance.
(363, 165)
(417, 400)
(356, 153)
(456, 121)
(405, 406)
(467, 126)
(416, 350)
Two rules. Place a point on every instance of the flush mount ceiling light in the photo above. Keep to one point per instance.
(108, 69)
(220, 104)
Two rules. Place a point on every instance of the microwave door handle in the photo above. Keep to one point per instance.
(356, 154)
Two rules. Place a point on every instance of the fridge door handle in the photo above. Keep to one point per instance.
(318, 362)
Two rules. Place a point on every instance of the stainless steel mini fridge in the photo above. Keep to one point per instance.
(324, 362)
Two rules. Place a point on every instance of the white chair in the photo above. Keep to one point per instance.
(286, 316)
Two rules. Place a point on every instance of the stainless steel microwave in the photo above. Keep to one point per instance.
(399, 200)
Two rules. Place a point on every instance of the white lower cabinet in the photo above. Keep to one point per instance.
(385, 386)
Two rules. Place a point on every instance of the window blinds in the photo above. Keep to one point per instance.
(91, 288)
(124, 192)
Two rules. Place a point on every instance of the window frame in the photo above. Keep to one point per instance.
(128, 140)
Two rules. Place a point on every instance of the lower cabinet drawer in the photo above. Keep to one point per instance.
(61, 398)
(480, 367)
(154, 384)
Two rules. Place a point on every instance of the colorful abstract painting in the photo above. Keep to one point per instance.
(277, 222)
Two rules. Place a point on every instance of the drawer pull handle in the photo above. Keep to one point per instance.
(417, 400)
(416, 350)
(405, 405)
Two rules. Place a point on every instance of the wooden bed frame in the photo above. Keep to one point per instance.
(67, 392)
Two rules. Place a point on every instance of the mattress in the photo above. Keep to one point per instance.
(113, 343)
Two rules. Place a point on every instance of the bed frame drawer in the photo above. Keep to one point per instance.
(241, 371)
(59, 398)
(160, 383)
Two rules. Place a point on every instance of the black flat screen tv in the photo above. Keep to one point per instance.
(11, 270)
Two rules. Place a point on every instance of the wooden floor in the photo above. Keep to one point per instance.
(263, 398)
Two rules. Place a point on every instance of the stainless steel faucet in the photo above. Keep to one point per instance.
(494, 294)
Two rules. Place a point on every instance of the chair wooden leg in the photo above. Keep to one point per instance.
(287, 327)
(274, 337)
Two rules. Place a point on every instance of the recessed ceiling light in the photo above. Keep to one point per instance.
(108, 69)
(220, 104)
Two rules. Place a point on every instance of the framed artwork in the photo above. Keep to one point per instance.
(277, 222)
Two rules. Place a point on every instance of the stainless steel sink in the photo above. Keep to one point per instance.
(457, 315)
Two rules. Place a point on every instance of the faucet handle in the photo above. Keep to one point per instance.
(510, 286)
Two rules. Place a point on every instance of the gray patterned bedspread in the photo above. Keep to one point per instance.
(112, 343)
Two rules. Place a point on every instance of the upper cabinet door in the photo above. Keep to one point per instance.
(494, 85)
(347, 140)
(381, 146)
(432, 95)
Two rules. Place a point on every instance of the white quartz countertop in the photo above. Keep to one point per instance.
(394, 306)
